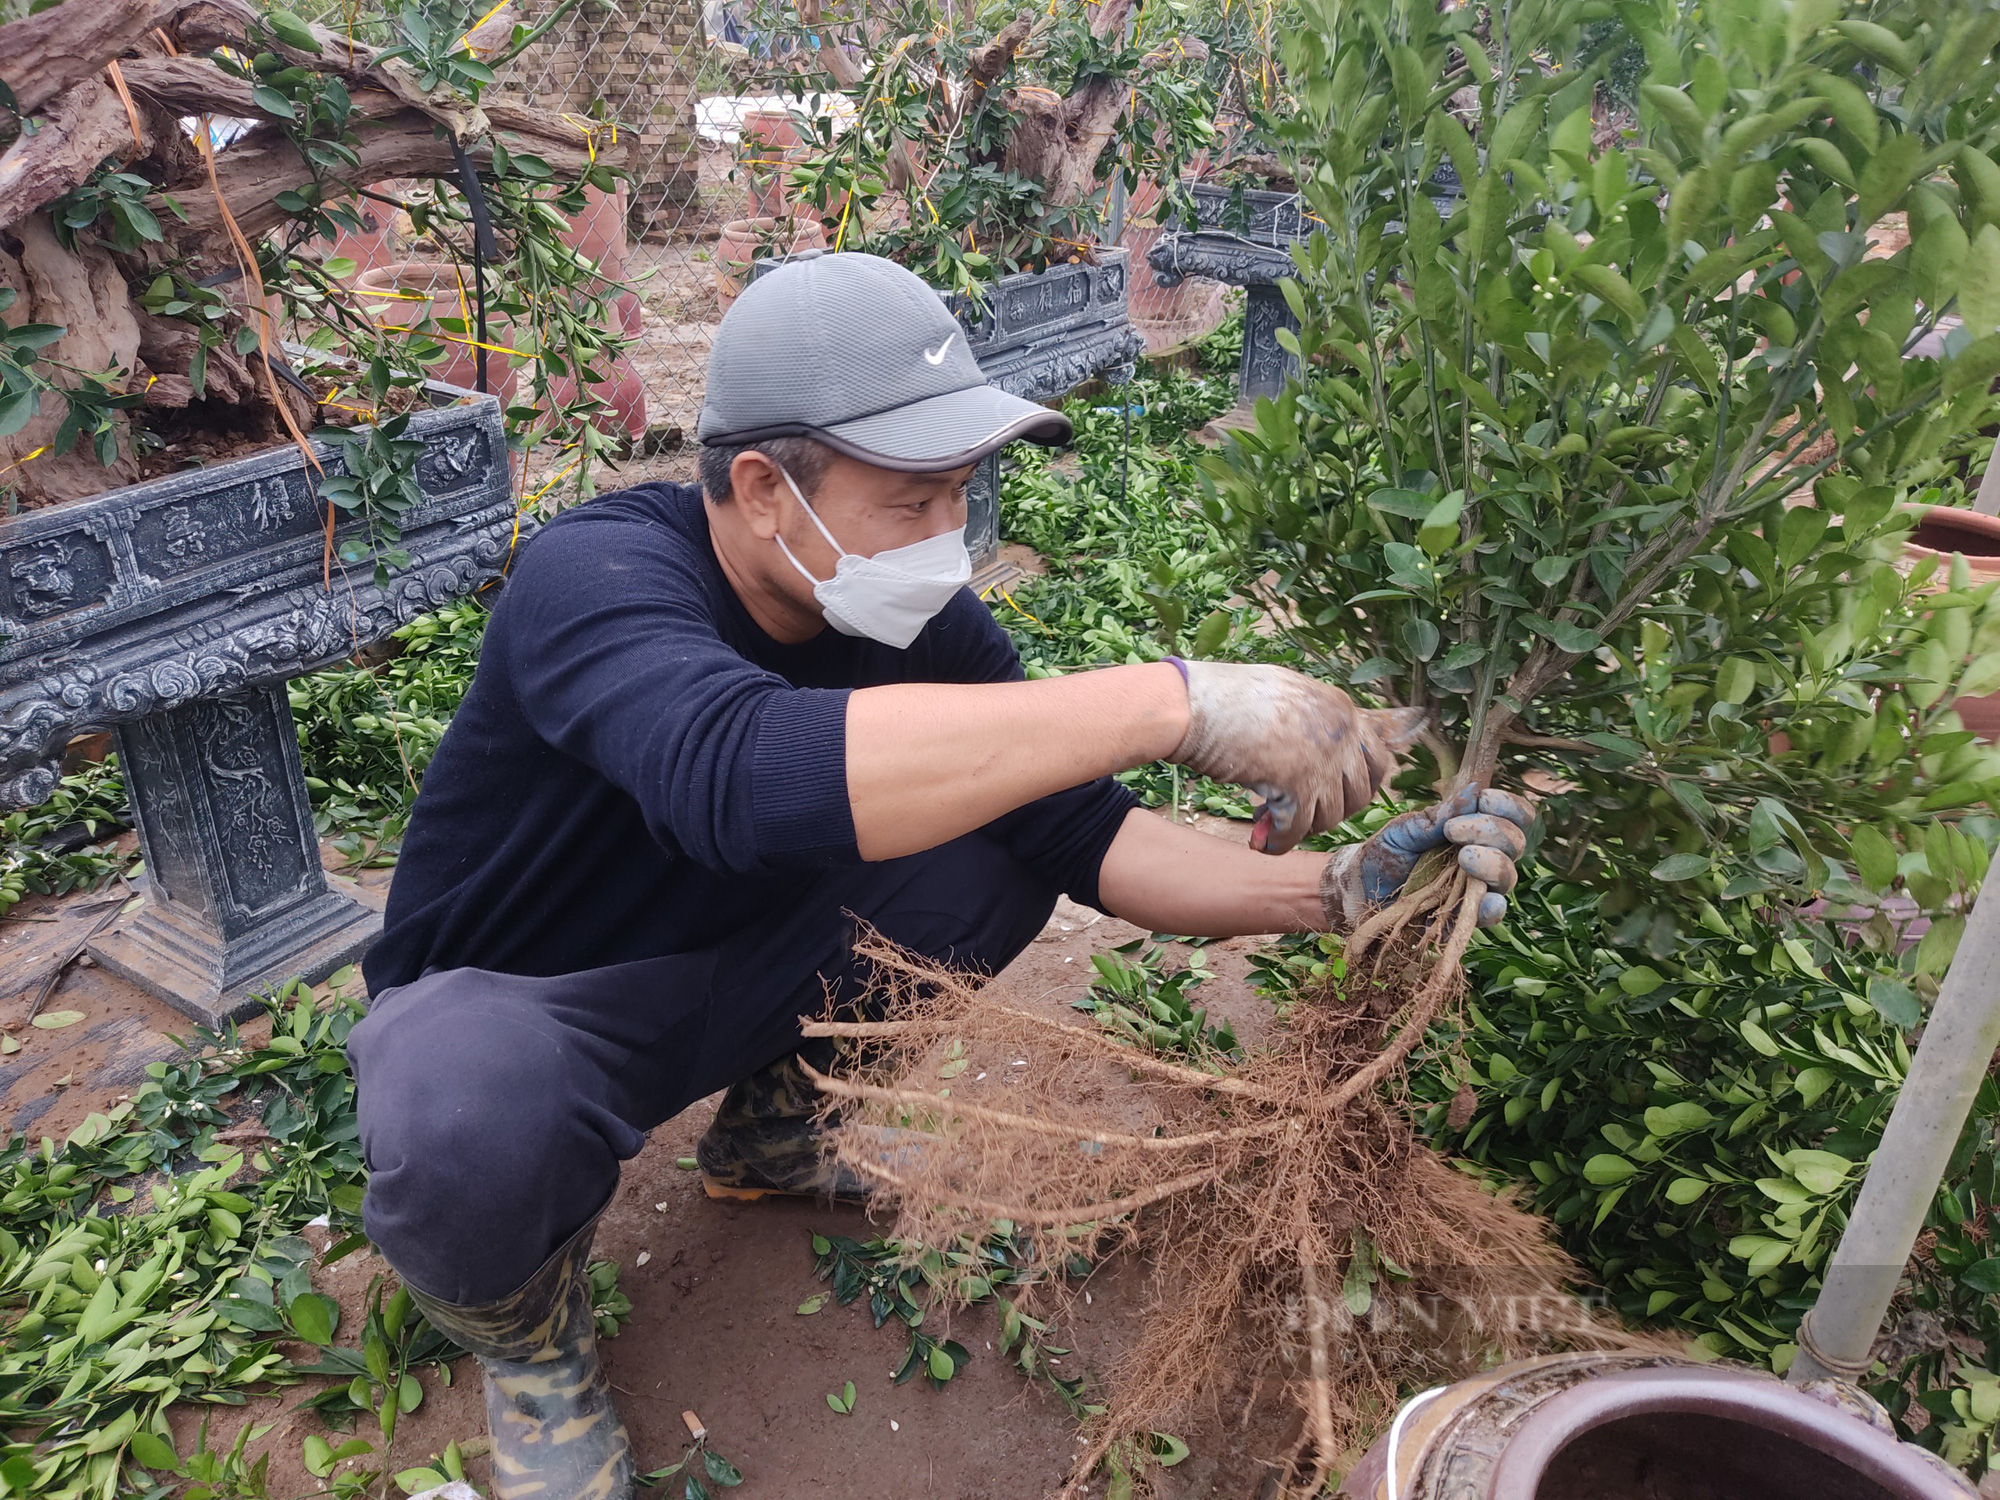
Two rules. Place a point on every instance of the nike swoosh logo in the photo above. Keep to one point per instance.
(936, 356)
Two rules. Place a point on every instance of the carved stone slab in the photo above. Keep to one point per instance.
(206, 583)
(174, 612)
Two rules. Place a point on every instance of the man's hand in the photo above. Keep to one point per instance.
(1490, 828)
(1304, 746)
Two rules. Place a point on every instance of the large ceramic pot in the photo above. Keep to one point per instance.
(1636, 1427)
(745, 242)
(1942, 530)
(598, 233)
(764, 151)
(173, 612)
(405, 293)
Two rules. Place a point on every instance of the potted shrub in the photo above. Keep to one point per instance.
(196, 508)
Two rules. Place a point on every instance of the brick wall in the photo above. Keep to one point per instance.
(636, 68)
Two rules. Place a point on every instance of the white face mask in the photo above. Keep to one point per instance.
(893, 595)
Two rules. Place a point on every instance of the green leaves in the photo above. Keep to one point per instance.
(1613, 288)
(720, 1469)
(1682, 867)
(1674, 1119)
(1758, 1038)
(1677, 109)
(1879, 44)
(292, 30)
(1607, 1169)
(1566, 634)
(1852, 110)
(1979, 282)
(313, 1317)
(1895, 1002)
(1888, 175)
(1640, 979)
(176, 1292)
(1735, 680)
(1983, 1276)
(842, 1401)
(1874, 857)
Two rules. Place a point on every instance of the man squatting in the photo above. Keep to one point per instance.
(672, 791)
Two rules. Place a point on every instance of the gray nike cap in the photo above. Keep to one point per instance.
(859, 353)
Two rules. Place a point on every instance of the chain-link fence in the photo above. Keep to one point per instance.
(635, 70)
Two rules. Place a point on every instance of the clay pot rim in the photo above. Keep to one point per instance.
(394, 276)
(1756, 1400)
(1968, 522)
(764, 223)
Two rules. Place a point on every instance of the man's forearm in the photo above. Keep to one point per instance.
(1168, 878)
(927, 762)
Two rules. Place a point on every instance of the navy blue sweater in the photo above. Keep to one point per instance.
(638, 769)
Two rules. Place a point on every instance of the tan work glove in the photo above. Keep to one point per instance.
(1304, 746)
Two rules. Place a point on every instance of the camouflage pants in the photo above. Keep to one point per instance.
(495, 1108)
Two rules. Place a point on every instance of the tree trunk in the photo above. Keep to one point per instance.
(61, 66)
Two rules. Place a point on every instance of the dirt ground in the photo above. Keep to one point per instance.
(715, 1287)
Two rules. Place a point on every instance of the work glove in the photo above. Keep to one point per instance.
(1313, 754)
(1490, 828)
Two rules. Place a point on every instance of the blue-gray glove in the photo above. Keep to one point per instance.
(1490, 828)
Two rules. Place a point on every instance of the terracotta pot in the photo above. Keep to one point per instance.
(1632, 1427)
(764, 150)
(1942, 530)
(404, 293)
(599, 233)
(744, 240)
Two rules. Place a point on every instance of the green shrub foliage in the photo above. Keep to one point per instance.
(1604, 462)
(1699, 1128)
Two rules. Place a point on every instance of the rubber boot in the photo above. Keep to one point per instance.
(555, 1433)
(765, 1139)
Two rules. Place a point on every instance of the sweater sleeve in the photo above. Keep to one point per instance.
(614, 659)
(1063, 836)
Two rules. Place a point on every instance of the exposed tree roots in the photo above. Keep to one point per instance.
(1295, 1224)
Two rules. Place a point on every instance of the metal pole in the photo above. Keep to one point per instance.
(1837, 1335)
(1117, 204)
(1987, 501)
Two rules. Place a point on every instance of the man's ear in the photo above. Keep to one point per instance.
(757, 487)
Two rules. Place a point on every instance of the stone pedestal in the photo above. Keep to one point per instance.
(982, 529)
(236, 900)
(173, 612)
(1266, 366)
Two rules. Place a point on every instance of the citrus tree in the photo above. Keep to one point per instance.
(1605, 463)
